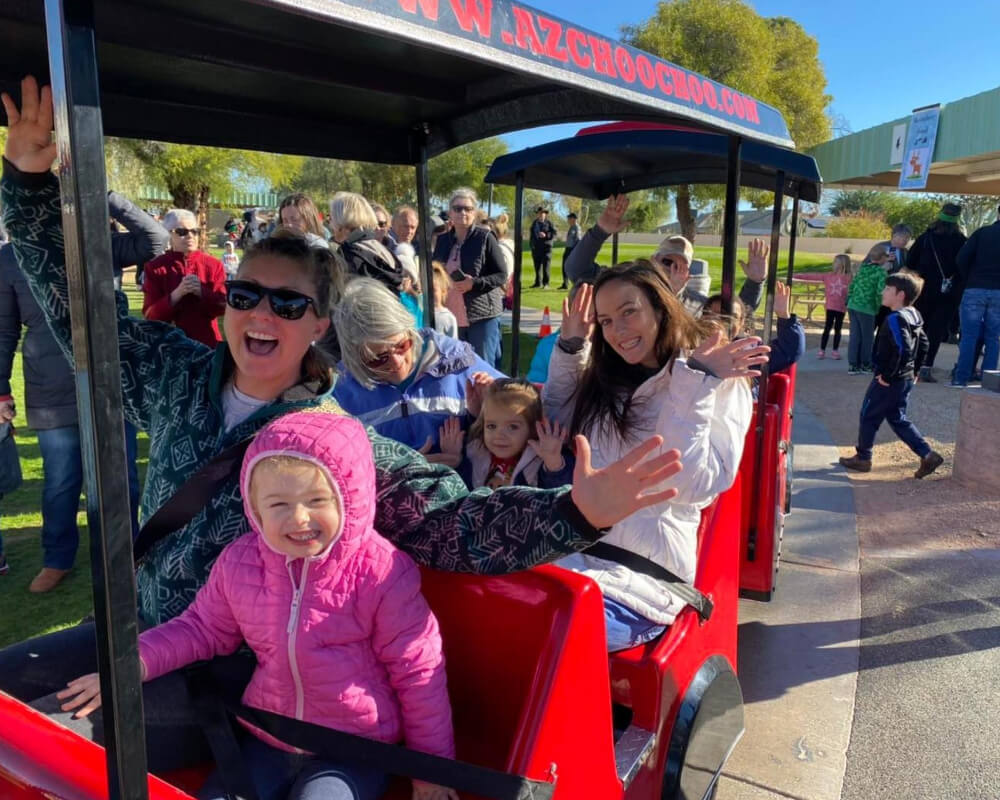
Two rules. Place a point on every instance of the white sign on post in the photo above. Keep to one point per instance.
(898, 144)
(919, 152)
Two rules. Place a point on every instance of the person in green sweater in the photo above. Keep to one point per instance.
(195, 401)
(864, 296)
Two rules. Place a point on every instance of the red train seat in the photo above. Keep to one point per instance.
(762, 518)
(666, 683)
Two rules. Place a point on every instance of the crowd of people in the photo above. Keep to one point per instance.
(367, 443)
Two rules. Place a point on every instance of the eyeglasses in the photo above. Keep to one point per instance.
(185, 231)
(285, 303)
(399, 349)
(463, 209)
(382, 223)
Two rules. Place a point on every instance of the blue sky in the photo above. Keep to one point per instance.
(882, 60)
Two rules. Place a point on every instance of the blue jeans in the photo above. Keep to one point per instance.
(888, 403)
(980, 317)
(626, 628)
(277, 774)
(859, 348)
(63, 468)
(484, 336)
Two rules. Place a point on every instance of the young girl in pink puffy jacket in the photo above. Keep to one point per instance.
(332, 610)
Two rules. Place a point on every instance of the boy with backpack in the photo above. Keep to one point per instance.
(900, 348)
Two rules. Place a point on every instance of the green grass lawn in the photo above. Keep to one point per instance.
(23, 614)
(539, 298)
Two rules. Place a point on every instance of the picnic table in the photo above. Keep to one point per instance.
(813, 296)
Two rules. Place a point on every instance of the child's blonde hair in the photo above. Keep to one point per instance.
(842, 264)
(282, 465)
(441, 282)
(514, 394)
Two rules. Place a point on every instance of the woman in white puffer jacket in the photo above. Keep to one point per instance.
(648, 367)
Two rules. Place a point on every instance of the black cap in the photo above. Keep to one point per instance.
(571, 215)
(539, 209)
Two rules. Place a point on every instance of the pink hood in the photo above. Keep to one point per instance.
(344, 638)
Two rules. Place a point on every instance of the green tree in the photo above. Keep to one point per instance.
(467, 165)
(774, 60)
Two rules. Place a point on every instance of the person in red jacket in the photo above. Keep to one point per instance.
(185, 286)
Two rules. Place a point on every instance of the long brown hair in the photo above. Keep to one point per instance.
(604, 392)
(306, 207)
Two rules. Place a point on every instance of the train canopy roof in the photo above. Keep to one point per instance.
(371, 80)
(611, 159)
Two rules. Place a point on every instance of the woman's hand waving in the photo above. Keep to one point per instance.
(29, 137)
(736, 359)
(606, 496)
(578, 317)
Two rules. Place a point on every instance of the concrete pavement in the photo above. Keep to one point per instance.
(798, 656)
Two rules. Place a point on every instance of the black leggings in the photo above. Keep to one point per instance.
(835, 320)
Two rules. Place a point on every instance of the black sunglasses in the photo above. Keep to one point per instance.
(285, 303)
(460, 209)
(186, 231)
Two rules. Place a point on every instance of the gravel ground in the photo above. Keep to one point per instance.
(895, 511)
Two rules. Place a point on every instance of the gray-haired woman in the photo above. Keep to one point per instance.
(403, 381)
(355, 229)
(474, 261)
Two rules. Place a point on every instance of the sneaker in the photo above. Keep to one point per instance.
(853, 370)
(928, 464)
(957, 385)
(820, 354)
(835, 355)
(857, 463)
(4, 566)
(927, 375)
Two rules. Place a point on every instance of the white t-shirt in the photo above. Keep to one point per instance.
(237, 406)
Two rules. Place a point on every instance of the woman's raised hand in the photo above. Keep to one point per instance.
(607, 496)
(549, 444)
(578, 316)
(29, 137)
(612, 219)
(736, 359)
(475, 390)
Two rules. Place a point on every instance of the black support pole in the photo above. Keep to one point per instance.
(772, 279)
(80, 139)
(424, 226)
(614, 248)
(515, 317)
(731, 223)
(792, 238)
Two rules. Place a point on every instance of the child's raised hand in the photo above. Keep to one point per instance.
(451, 438)
(735, 359)
(549, 444)
(578, 318)
(85, 692)
(431, 791)
(475, 389)
(782, 300)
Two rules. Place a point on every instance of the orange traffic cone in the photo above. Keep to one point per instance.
(545, 329)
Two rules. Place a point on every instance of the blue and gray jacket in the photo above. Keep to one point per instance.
(416, 409)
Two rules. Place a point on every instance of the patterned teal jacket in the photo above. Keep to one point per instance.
(171, 389)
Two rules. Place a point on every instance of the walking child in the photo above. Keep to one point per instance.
(500, 450)
(900, 348)
(333, 612)
(230, 261)
(863, 302)
(835, 286)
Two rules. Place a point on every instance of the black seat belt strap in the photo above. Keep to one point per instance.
(677, 585)
(192, 496)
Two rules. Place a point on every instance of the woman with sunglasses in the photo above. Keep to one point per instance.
(355, 229)
(185, 286)
(403, 381)
(473, 260)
